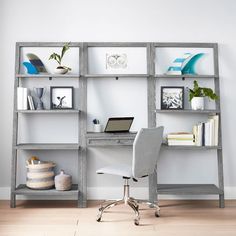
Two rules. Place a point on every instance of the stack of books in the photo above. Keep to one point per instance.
(206, 133)
(180, 139)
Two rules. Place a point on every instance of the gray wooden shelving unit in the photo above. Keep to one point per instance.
(21, 189)
(87, 139)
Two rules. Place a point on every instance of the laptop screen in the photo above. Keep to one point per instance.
(119, 124)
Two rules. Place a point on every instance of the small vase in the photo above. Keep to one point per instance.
(197, 103)
(63, 181)
(61, 70)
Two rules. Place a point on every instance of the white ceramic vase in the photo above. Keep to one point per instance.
(197, 103)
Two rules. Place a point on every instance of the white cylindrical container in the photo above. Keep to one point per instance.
(97, 128)
(197, 103)
(63, 182)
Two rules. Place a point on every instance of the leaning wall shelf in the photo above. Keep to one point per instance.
(190, 189)
(75, 147)
(47, 146)
(23, 190)
(186, 189)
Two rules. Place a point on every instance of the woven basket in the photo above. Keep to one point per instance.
(40, 176)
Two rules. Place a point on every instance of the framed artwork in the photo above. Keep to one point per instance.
(61, 97)
(116, 61)
(172, 98)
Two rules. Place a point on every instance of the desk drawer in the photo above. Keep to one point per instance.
(110, 141)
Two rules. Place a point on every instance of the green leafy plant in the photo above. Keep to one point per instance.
(201, 92)
(58, 58)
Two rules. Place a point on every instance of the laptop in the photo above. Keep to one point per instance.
(118, 124)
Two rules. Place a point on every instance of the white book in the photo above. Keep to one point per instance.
(195, 134)
(212, 132)
(181, 143)
(22, 99)
(216, 128)
(31, 102)
(207, 134)
(199, 135)
(180, 135)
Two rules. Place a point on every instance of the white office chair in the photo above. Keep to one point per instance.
(146, 149)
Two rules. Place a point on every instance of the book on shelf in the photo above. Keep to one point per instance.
(31, 103)
(180, 139)
(22, 99)
(181, 142)
(206, 133)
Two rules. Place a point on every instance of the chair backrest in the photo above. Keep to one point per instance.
(146, 150)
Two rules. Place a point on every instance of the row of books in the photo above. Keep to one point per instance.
(204, 134)
(24, 100)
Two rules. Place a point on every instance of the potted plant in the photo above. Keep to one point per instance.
(58, 58)
(197, 94)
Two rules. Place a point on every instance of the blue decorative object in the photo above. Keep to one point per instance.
(35, 60)
(31, 69)
(189, 67)
(177, 64)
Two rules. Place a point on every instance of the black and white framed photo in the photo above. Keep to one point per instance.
(172, 98)
(61, 97)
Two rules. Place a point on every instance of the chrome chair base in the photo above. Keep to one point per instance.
(127, 200)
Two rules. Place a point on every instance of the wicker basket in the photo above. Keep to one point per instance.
(40, 176)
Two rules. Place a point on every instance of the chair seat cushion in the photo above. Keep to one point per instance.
(120, 170)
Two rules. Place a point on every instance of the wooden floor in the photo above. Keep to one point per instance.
(183, 218)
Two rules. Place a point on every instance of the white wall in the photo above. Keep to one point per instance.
(125, 20)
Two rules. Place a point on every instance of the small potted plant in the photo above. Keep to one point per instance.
(58, 58)
(197, 94)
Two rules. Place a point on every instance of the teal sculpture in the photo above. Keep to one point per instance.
(189, 67)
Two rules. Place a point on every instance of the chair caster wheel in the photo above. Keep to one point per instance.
(157, 213)
(99, 217)
(136, 222)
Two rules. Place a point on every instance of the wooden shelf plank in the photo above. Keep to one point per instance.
(47, 76)
(116, 75)
(22, 189)
(47, 146)
(182, 147)
(186, 76)
(185, 189)
(189, 111)
(73, 111)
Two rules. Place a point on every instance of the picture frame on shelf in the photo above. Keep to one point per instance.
(172, 98)
(61, 97)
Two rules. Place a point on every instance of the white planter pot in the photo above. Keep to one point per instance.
(97, 128)
(60, 70)
(197, 103)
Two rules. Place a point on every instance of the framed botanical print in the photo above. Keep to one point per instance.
(61, 97)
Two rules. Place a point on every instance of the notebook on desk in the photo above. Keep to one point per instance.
(118, 124)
